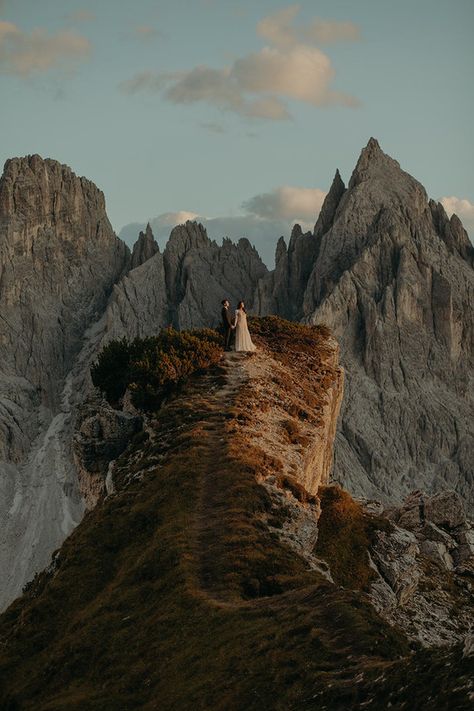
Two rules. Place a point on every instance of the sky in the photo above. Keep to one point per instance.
(238, 112)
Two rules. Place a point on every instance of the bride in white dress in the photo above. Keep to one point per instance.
(243, 342)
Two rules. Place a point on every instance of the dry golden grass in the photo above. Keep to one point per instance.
(174, 595)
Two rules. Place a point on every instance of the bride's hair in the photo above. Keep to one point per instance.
(241, 306)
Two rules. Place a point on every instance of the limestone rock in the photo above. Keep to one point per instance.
(445, 509)
(423, 583)
(468, 647)
(432, 533)
(59, 259)
(393, 278)
(282, 290)
(102, 434)
(438, 552)
(331, 203)
(395, 554)
(144, 248)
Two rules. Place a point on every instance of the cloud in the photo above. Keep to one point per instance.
(269, 216)
(259, 84)
(278, 29)
(462, 208)
(288, 203)
(263, 234)
(23, 53)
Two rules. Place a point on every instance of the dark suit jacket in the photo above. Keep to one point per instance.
(226, 318)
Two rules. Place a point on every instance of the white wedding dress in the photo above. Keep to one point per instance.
(243, 342)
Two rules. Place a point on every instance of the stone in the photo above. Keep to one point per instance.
(102, 434)
(445, 509)
(438, 552)
(394, 553)
(392, 277)
(431, 532)
(464, 553)
(59, 261)
(468, 646)
(144, 248)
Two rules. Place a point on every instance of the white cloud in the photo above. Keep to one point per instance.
(462, 208)
(301, 72)
(269, 216)
(289, 203)
(259, 84)
(279, 30)
(170, 219)
(23, 53)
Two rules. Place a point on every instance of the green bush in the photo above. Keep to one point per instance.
(153, 367)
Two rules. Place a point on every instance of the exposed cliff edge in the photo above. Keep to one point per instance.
(212, 553)
(59, 259)
(393, 278)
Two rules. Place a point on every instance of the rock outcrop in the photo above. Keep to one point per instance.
(101, 435)
(59, 259)
(144, 248)
(184, 286)
(393, 278)
(424, 564)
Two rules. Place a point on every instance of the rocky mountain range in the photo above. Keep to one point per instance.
(393, 278)
(384, 268)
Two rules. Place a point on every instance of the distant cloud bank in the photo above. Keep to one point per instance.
(25, 53)
(269, 216)
(259, 84)
(463, 209)
(288, 203)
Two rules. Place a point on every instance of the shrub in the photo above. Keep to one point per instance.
(344, 538)
(153, 367)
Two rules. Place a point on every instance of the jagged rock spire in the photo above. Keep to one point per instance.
(144, 248)
(330, 204)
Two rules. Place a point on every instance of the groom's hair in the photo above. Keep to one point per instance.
(224, 301)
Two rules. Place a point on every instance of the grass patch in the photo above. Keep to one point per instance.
(344, 538)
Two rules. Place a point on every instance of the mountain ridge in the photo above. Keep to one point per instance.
(223, 550)
(400, 309)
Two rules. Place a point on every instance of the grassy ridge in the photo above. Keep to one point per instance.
(174, 595)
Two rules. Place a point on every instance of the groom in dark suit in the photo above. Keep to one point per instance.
(227, 324)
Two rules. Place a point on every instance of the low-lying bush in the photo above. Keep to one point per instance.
(153, 367)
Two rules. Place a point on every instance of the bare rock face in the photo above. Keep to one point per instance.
(184, 286)
(395, 554)
(59, 259)
(144, 248)
(199, 274)
(101, 435)
(424, 566)
(393, 278)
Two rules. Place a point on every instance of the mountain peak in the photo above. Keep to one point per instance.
(330, 204)
(373, 146)
(144, 248)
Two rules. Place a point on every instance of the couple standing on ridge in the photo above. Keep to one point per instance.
(243, 342)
